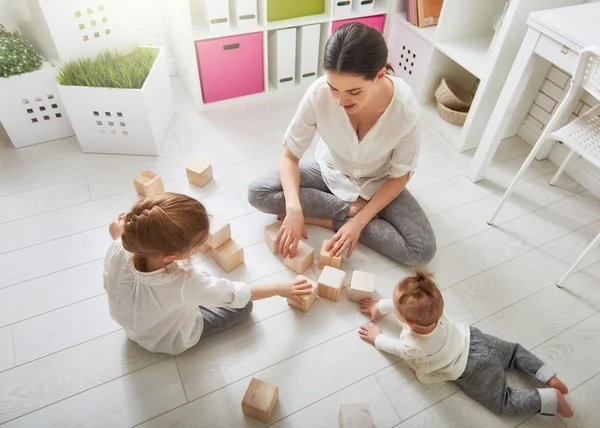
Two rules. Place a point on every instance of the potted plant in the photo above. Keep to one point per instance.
(30, 108)
(119, 103)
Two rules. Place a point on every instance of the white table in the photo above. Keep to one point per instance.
(554, 36)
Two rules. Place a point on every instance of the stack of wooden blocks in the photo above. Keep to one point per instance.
(226, 252)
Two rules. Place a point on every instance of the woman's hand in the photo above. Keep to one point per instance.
(291, 290)
(345, 239)
(116, 226)
(369, 332)
(292, 229)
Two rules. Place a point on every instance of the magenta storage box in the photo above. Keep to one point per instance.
(376, 21)
(231, 67)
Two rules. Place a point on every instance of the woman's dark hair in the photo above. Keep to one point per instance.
(356, 49)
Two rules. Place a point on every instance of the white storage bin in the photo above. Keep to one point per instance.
(216, 14)
(123, 121)
(342, 7)
(31, 110)
(244, 13)
(282, 58)
(363, 6)
(307, 45)
(81, 28)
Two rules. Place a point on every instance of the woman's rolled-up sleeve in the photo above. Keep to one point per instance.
(302, 129)
(404, 156)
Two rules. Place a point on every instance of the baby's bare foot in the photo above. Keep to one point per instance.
(557, 384)
(563, 407)
(357, 207)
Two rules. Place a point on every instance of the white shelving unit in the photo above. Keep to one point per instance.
(184, 19)
(464, 48)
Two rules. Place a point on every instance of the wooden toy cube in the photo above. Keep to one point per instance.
(271, 234)
(362, 286)
(307, 299)
(304, 258)
(331, 283)
(260, 400)
(199, 172)
(355, 416)
(326, 260)
(219, 233)
(148, 183)
(229, 255)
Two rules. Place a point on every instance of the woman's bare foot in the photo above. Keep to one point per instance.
(357, 207)
(557, 384)
(563, 408)
(315, 221)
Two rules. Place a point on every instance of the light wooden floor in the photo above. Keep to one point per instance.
(65, 363)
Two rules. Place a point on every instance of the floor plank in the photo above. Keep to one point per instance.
(47, 293)
(62, 329)
(39, 153)
(585, 401)
(121, 403)
(7, 356)
(34, 385)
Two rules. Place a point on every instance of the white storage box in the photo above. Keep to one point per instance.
(31, 110)
(122, 121)
(342, 7)
(244, 13)
(282, 58)
(81, 28)
(307, 45)
(216, 14)
(363, 6)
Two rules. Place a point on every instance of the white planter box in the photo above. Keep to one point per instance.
(31, 110)
(123, 121)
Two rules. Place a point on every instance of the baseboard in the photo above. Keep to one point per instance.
(578, 169)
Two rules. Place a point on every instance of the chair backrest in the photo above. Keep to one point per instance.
(587, 72)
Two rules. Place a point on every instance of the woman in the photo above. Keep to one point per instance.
(368, 124)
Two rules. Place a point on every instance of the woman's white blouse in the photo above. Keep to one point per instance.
(353, 168)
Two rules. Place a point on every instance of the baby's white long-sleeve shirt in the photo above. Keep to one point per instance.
(435, 357)
(160, 310)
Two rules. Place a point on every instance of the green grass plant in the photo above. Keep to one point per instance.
(110, 69)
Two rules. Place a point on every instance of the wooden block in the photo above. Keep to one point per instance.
(199, 172)
(307, 299)
(326, 260)
(305, 256)
(229, 255)
(260, 400)
(204, 248)
(331, 283)
(270, 235)
(148, 183)
(362, 286)
(220, 232)
(355, 416)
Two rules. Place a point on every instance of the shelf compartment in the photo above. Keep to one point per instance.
(426, 33)
(469, 52)
(283, 10)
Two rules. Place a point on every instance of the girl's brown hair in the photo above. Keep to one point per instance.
(164, 224)
(418, 299)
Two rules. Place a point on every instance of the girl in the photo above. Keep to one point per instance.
(154, 297)
(368, 124)
(441, 348)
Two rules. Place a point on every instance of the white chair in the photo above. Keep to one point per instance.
(582, 135)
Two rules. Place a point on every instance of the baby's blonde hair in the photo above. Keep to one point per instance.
(418, 299)
(164, 224)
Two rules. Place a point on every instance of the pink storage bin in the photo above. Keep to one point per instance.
(376, 21)
(231, 67)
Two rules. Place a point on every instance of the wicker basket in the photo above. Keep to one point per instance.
(452, 116)
(453, 96)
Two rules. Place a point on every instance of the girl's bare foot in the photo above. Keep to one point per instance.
(357, 207)
(557, 384)
(315, 221)
(563, 407)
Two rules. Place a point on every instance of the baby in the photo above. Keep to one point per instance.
(443, 348)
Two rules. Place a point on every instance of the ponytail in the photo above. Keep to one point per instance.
(418, 299)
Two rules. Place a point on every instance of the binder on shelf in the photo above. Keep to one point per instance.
(244, 13)
(342, 7)
(428, 12)
(307, 44)
(364, 6)
(282, 58)
(217, 15)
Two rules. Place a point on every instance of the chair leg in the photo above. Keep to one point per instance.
(590, 247)
(561, 169)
